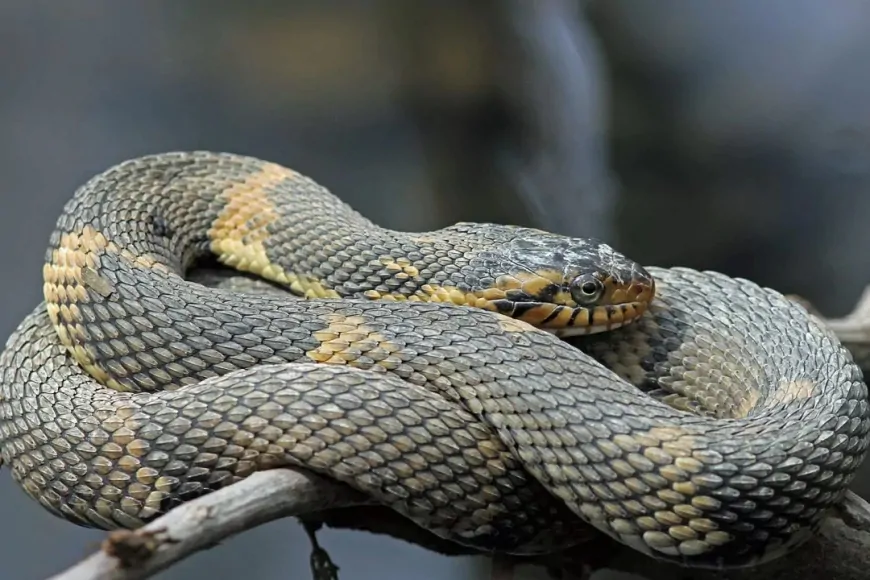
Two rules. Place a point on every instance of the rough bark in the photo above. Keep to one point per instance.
(841, 551)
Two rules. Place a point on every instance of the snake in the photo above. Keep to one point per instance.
(502, 387)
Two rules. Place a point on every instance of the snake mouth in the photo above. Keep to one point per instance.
(565, 321)
(618, 305)
(597, 319)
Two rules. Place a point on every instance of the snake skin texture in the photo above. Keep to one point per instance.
(712, 427)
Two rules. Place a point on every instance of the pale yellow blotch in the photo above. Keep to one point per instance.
(656, 435)
(747, 403)
(452, 295)
(141, 261)
(67, 276)
(671, 448)
(74, 252)
(400, 267)
(306, 286)
(239, 232)
(793, 391)
(478, 299)
(347, 338)
(386, 297)
(673, 440)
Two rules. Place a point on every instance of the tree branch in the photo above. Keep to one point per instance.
(204, 522)
(853, 330)
(839, 552)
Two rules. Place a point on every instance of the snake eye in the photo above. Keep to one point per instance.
(586, 289)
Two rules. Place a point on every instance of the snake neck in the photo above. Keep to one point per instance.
(144, 222)
(168, 211)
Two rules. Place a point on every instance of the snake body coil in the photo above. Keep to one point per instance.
(714, 430)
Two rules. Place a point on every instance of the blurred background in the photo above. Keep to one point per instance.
(730, 136)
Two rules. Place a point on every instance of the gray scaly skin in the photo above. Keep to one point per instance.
(481, 429)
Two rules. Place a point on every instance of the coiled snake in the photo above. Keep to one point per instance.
(713, 429)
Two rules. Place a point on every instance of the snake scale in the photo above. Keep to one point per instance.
(505, 388)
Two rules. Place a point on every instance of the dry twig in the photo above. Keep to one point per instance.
(202, 523)
(841, 551)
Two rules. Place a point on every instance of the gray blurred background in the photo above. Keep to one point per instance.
(730, 136)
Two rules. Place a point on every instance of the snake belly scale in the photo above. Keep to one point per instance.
(505, 388)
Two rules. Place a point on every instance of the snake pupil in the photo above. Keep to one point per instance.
(586, 289)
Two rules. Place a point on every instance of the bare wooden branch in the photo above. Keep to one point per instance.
(841, 551)
(853, 330)
(855, 326)
(202, 523)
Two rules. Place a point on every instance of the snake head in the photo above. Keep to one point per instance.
(567, 286)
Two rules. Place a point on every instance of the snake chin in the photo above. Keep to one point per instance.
(587, 330)
(565, 321)
(628, 313)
